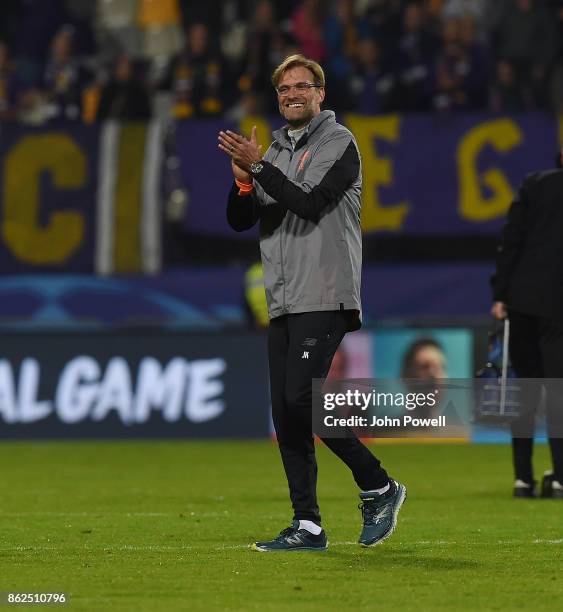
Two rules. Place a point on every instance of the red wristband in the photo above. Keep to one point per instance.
(244, 188)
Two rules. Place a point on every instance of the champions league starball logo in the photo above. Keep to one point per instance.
(82, 300)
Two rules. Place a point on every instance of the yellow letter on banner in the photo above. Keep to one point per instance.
(377, 171)
(25, 237)
(503, 135)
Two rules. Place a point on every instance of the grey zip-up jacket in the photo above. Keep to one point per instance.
(308, 203)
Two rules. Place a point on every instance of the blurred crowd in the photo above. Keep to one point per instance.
(88, 60)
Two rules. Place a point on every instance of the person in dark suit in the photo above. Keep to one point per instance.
(528, 288)
(124, 96)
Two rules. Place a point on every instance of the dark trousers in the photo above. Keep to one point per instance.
(300, 348)
(536, 351)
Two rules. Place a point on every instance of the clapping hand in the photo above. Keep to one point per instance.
(243, 152)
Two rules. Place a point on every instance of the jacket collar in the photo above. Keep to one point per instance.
(319, 122)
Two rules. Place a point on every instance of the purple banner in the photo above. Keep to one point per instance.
(423, 174)
(48, 198)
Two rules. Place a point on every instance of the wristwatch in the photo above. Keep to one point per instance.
(256, 167)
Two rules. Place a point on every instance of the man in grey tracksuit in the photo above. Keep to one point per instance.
(306, 194)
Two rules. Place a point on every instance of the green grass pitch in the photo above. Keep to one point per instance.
(165, 526)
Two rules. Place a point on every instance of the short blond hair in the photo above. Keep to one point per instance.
(299, 60)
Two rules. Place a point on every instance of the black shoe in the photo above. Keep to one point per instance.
(524, 489)
(546, 482)
(380, 513)
(551, 487)
(293, 538)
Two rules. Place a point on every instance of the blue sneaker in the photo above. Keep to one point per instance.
(293, 538)
(380, 513)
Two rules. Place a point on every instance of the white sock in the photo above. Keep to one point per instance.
(310, 527)
(380, 491)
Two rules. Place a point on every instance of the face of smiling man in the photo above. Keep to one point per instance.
(299, 107)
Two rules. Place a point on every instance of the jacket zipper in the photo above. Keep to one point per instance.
(281, 262)
(281, 246)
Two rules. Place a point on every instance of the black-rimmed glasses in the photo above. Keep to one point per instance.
(283, 90)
